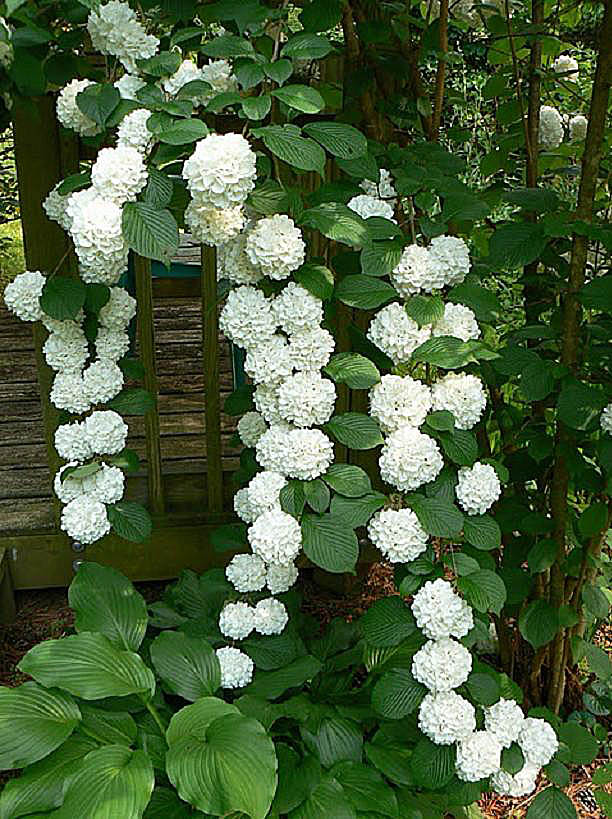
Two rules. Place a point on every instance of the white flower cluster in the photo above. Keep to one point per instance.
(22, 295)
(396, 334)
(397, 534)
(440, 612)
(458, 321)
(238, 620)
(217, 73)
(68, 112)
(566, 66)
(212, 226)
(383, 189)
(365, 206)
(551, 128)
(96, 231)
(128, 86)
(463, 395)
(115, 30)
(275, 247)
(446, 262)
(236, 667)
(119, 174)
(251, 427)
(605, 420)
(578, 126)
(478, 488)
(133, 131)
(409, 459)
(442, 664)
(446, 717)
(397, 402)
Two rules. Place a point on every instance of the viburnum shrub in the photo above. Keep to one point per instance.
(407, 388)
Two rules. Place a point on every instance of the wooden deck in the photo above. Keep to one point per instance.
(26, 504)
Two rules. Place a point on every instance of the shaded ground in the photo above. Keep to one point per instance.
(44, 615)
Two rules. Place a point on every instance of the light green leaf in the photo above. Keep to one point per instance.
(317, 495)
(183, 132)
(316, 278)
(425, 309)
(484, 590)
(354, 370)
(286, 143)
(348, 480)
(279, 71)
(307, 47)
(109, 727)
(338, 138)
(438, 517)
(329, 542)
(257, 107)
(357, 512)
(301, 97)
(356, 430)
(150, 232)
(187, 665)
(337, 222)
(228, 45)
(365, 292)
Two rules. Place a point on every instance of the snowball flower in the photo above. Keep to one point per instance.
(409, 459)
(221, 171)
(397, 402)
(234, 264)
(106, 432)
(269, 360)
(396, 334)
(218, 74)
(247, 318)
(271, 451)
(118, 311)
(311, 349)
(366, 206)
(578, 126)
(276, 537)
(463, 395)
(67, 350)
(213, 226)
(538, 741)
(446, 718)
(383, 189)
(68, 488)
(442, 665)
(187, 71)
(605, 419)
(119, 174)
(266, 401)
(451, 256)
(296, 309)
(96, 230)
(281, 577)
(478, 756)
(551, 128)
(440, 612)
(415, 272)
(478, 488)
(84, 520)
(566, 65)
(105, 485)
(275, 246)
(111, 344)
(458, 321)
(306, 399)
(72, 442)
(520, 784)
(68, 112)
(22, 295)
(310, 453)
(236, 667)
(133, 131)
(270, 616)
(114, 29)
(264, 491)
(102, 381)
(68, 392)
(237, 620)
(504, 720)
(251, 427)
(54, 205)
(398, 534)
(128, 87)
(242, 506)
(246, 573)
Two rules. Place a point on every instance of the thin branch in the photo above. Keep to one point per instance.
(440, 72)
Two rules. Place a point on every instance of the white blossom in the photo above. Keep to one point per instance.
(504, 720)
(237, 620)
(270, 616)
(568, 66)
(242, 505)
(218, 74)
(271, 451)
(384, 189)
(68, 392)
(54, 206)
(365, 206)
(105, 485)
(187, 72)
(276, 537)
(133, 131)
(236, 667)
(247, 318)
(275, 246)
(266, 402)
(310, 453)
(451, 256)
(119, 174)
(114, 29)
(280, 577)
(458, 321)
(111, 344)
(296, 309)
(463, 395)
(396, 334)
(306, 399)
(234, 264)
(102, 380)
(68, 488)
(478, 488)
(246, 573)
(442, 665)
(446, 718)
(409, 459)
(538, 741)
(72, 442)
(311, 349)
(551, 128)
(440, 612)
(106, 432)
(251, 427)
(605, 419)
(213, 226)
(398, 534)
(118, 311)
(264, 492)
(578, 126)
(96, 231)
(221, 170)
(128, 86)
(68, 112)
(416, 272)
(22, 295)
(67, 350)
(520, 784)
(399, 401)
(478, 756)
(268, 361)
(84, 519)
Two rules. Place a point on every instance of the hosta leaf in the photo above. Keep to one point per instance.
(397, 694)
(187, 665)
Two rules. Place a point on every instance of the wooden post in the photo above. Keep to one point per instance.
(146, 337)
(212, 406)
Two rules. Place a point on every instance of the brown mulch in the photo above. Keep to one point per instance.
(43, 615)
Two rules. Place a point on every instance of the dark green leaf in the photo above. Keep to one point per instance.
(482, 532)
(365, 292)
(355, 430)
(551, 804)
(307, 47)
(484, 590)
(302, 98)
(63, 297)
(98, 102)
(397, 694)
(354, 370)
(130, 520)
(317, 495)
(316, 278)
(437, 516)
(132, 401)
(286, 143)
(539, 623)
(330, 543)
(432, 765)
(348, 480)
(339, 139)
(150, 232)
(337, 222)
(387, 622)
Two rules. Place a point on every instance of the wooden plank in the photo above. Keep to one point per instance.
(210, 346)
(146, 338)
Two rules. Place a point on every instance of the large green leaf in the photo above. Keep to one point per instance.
(397, 694)
(337, 222)
(104, 600)
(317, 278)
(365, 788)
(357, 511)
(365, 292)
(582, 745)
(482, 532)
(516, 244)
(334, 739)
(329, 542)
(271, 684)
(432, 765)
(387, 622)
(338, 138)
(88, 666)
(183, 132)
(437, 516)
(110, 727)
(356, 430)
(112, 782)
(539, 622)
(41, 785)
(62, 297)
(551, 804)
(165, 804)
(354, 370)
(307, 47)
(484, 590)
(98, 102)
(33, 722)
(150, 232)
(221, 761)
(287, 144)
(327, 799)
(130, 520)
(301, 97)
(187, 665)
(348, 480)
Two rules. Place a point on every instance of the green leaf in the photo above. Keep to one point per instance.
(329, 543)
(165, 804)
(272, 652)
(110, 727)
(326, 799)
(316, 278)
(381, 258)
(597, 294)
(387, 622)
(583, 747)
(557, 773)
(354, 370)
(512, 758)
(392, 761)
(483, 302)
(88, 666)
(551, 804)
(365, 292)
(432, 765)
(130, 520)
(483, 689)
(464, 206)
(334, 740)
(74, 182)
(348, 480)
(62, 297)
(183, 132)
(425, 309)
(460, 446)
(482, 532)
(279, 71)
(132, 401)
(228, 45)
(516, 244)
(98, 102)
(355, 430)
(484, 590)
(187, 665)
(33, 723)
(96, 296)
(438, 517)
(593, 519)
(307, 47)
(239, 401)
(301, 97)
(272, 684)
(542, 555)
(337, 222)
(161, 65)
(595, 601)
(537, 380)
(286, 143)
(397, 694)
(193, 90)
(104, 600)
(536, 200)
(292, 498)
(365, 788)
(580, 404)
(446, 352)
(441, 420)
(112, 778)
(539, 622)
(257, 107)
(317, 495)
(357, 511)
(150, 232)
(339, 139)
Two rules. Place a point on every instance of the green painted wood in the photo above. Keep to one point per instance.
(146, 338)
(212, 406)
(8, 608)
